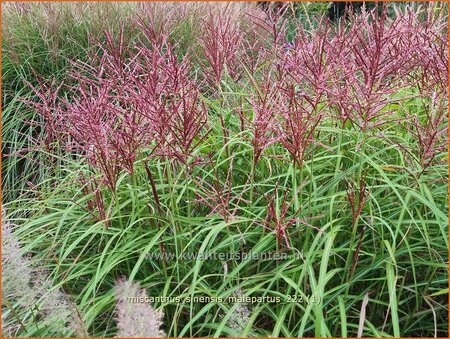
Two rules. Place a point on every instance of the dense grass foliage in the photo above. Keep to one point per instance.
(173, 152)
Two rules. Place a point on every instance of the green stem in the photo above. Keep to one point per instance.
(117, 203)
(188, 196)
(354, 235)
(174, 208)
(160, 212)
(252, 178)
(297, 203)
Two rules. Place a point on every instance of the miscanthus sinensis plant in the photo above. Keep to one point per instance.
(192, 129)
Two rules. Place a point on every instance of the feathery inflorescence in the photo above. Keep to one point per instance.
(136, 319)
(142, 99)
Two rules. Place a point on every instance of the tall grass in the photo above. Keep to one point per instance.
(136, 151)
